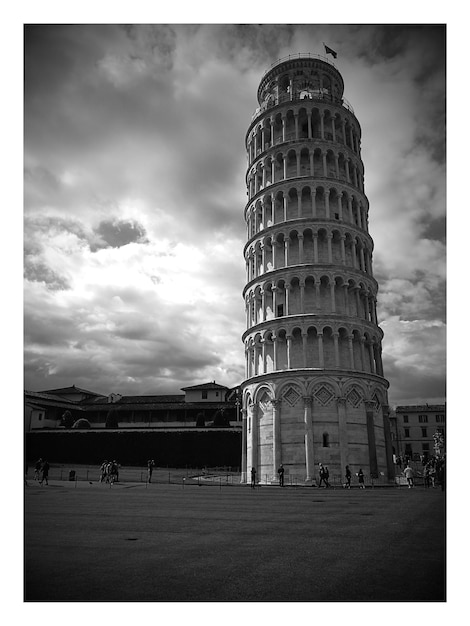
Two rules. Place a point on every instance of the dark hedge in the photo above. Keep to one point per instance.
(207, 448)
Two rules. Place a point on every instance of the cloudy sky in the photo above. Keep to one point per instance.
(134, 191)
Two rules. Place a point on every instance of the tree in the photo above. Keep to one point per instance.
(67, 420)
(220, 419)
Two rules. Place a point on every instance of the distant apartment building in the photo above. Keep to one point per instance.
(413, 429)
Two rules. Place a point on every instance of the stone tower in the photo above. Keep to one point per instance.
(314, 390)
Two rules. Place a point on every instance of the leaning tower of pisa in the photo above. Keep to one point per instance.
(315, 390)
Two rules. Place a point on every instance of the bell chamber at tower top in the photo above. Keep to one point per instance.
(301, 77)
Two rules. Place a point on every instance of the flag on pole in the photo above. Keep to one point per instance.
(330, 51)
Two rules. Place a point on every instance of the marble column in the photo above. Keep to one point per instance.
(343, 433)
(309, 460)
(277, 458)
(243, 477)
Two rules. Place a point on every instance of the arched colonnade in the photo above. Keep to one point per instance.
(304, 122)
(314, 295)
(320, 346)
(284, 248)
(305, 201)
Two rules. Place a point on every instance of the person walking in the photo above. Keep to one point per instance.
(37, 468)
(253, 478)
(150, 466)
(280, 471)
(323, 473)
(347, 475)
(409, 476)
(360, 476)
(45, 472)
(432, 475)
(427, 476)
(441, 474)
(103, 471)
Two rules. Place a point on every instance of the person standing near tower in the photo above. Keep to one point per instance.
(280, 471)
(150, 466)
(409, 476)
(360, 476)
(253, 478)
(323, 473)
(348, 477)
(45, 472)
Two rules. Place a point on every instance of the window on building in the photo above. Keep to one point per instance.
(425, 449)
(280, 310)
(326, 440)
(40, 416)
(408, 450)
(407, 432)
(204, 395)
(439, 419)
(423, 419)
(424, 432)
(405, 419)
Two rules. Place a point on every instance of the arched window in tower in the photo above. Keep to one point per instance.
(326, 440)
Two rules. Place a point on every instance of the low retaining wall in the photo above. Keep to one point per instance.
(205, 448)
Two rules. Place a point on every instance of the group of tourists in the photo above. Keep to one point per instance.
(109, 472)
(433, 472)
(324, 476)
(41, 471)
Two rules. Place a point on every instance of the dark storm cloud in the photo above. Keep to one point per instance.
(119, 233)
(436, 229)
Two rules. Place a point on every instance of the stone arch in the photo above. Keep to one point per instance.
(294, 296)
(343, 347)
(303, 123)
(263, 388)
(297, 352)
(291, 163)
(329, 357)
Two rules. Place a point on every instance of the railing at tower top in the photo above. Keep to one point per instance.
(285, 97)
(299, 55)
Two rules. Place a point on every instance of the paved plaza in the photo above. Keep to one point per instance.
(86, 541)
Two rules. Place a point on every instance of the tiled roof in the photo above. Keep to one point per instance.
(422, 407)
(212, 385)
(44, 399)
(141, 400)
(70, 390)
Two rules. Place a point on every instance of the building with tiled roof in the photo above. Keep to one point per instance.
(201, 405)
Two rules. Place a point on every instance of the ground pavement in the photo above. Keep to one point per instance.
(86, 541)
